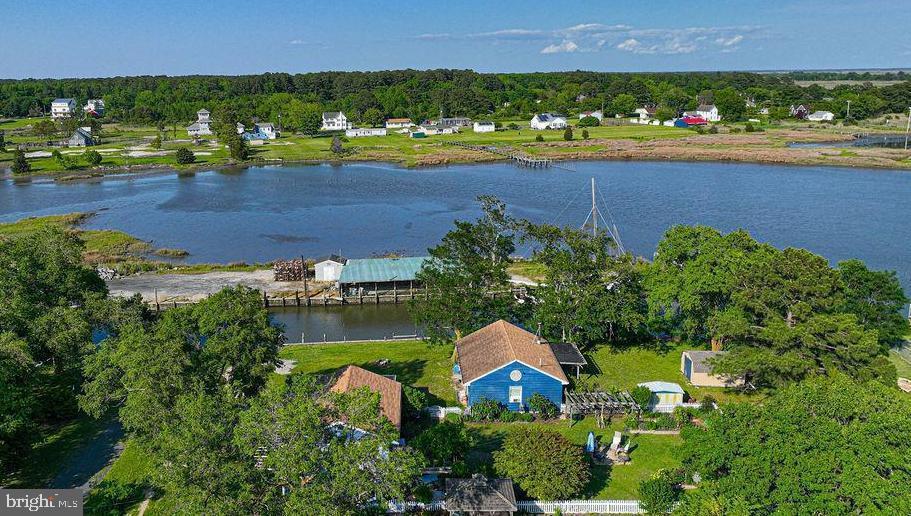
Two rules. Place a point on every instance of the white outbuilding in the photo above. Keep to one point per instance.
(484, 126)
(543, 121)
(329, 268)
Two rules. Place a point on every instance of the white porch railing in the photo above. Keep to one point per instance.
(668, 408)
(582, 506)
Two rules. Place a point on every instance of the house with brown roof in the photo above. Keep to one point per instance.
(390, 391)
(507, 364)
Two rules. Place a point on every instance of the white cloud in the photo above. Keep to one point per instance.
(296, 42)
(728, 42)
(565, 46)
(594, 37)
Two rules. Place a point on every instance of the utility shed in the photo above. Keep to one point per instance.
(379, 273)
(664, 394)
(695, 367)
(480, 495)
(329, 268)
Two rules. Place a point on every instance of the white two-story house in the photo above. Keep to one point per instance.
(202, 126)
(335, 121)
(63, 108)
(547, 121)
(709, 112)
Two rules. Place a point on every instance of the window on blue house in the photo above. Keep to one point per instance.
(515, 394)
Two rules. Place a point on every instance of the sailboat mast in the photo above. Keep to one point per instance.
(594, 211)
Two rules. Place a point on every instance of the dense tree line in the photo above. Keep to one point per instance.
(783, 315)
(370, 96)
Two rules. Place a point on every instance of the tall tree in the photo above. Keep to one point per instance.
(464, 272)
(876, 298)
(588, 296)
(826, 446)
(544, 463)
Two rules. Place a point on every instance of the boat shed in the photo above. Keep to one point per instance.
(381, 273)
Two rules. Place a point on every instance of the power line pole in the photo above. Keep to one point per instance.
(594, 211)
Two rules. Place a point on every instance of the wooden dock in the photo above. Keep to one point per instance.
(519, 159)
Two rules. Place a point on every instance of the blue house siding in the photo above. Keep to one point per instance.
(495, 386)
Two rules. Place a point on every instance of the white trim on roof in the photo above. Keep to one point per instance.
(562, 381)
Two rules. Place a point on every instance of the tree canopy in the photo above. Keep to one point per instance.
(824, 446)
(543, 463)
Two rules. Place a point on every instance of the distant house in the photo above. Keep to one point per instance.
(63, 108)
(454, 122)
(800, 112)
(266, 129)
(708, 112)
(240, 128)
(417, 134)
(329, 268)
(664, 395)
(597, 114)
(479, 495)
(81, 138)
(355, 132)
(390, 391)
(504, 363)
(646, 112)
(94, 107)
(201, 127)
(821, 116)
(543, 121)
(484, 126)
(398, 123)
(335, 121)
(695, 367)
(433, 129)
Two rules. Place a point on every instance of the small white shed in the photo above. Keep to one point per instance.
(329, 268)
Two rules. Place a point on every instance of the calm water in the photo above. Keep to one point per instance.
(263, 213)
(316, 324)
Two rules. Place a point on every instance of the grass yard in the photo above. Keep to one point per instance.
(46, 457)
(651, 453)
(416, 363)
(902, 362)
(623, 369)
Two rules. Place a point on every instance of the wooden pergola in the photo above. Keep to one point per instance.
(601, 403)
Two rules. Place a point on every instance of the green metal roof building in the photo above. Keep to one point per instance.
(381, 270)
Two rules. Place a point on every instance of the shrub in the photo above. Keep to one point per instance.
(65, 162)
(514, 126)
(707, 404)
(713, 129)
(444, 444)
(589, 121)
(543, 463)
(415, 400)
(185, 156)
(736, 130)
(539, 138)
(92, 157)
(682, 416)
(749, 127)
(658, 494)
(336, 146)
(568, 133)
(631, 422)
(665, 422)
(486, 410)
(508, 416)
(584, 134)
(642, 395)
(20, 163)
(541, 405)
(525, 417)
(700, 129)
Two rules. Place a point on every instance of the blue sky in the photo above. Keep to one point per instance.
(80, 38)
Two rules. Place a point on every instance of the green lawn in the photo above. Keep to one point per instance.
(651, 453)
(46, 457)
(623, 369)
(416, 363)
(902, 364)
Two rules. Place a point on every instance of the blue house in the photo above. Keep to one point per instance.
(505, 363)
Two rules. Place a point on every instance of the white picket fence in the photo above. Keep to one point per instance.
(538, 507)
(669, 407)
(581, 507)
